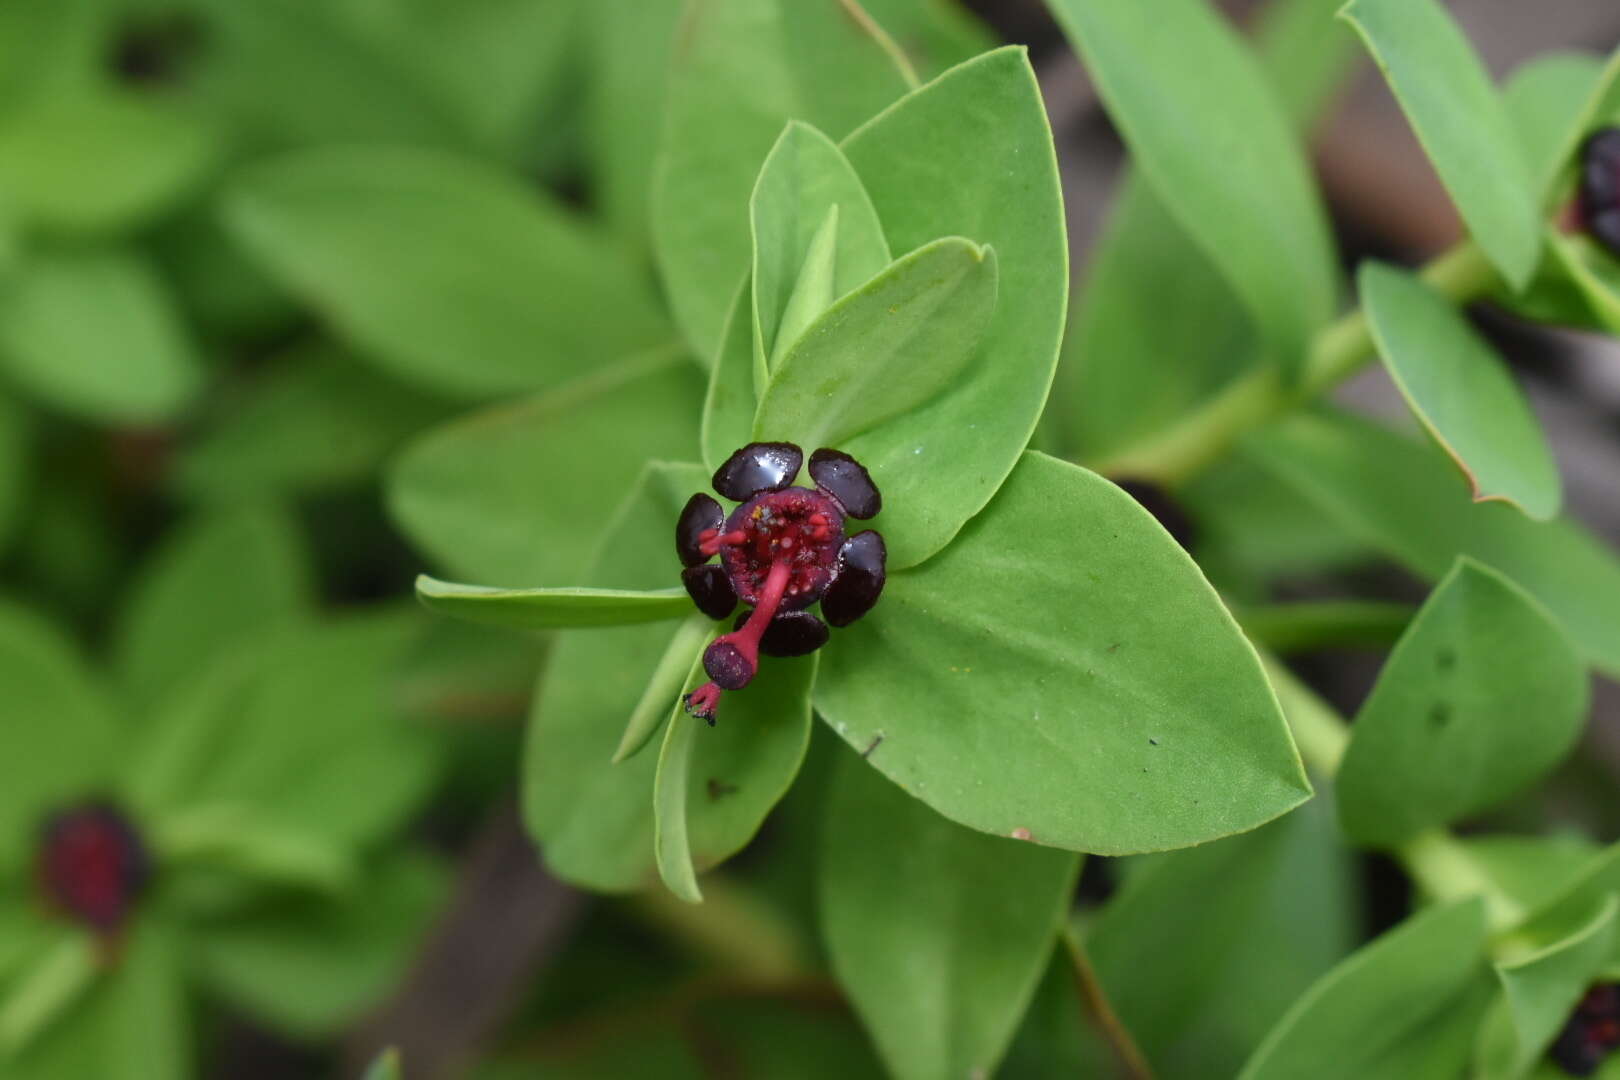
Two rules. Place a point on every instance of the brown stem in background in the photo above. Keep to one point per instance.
(1132, 1062)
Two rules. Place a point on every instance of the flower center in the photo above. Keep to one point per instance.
(796, 527)
(92, 865)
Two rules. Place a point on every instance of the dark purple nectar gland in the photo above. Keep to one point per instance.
(92, 866)
(1598, 196)
(1592, 1032)
(781, 551)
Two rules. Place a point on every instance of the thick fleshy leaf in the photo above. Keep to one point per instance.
(742, 69)
(1403, 499)
(1483, 695)
(443, 270)
(15, 476)
(520, 494)
(1543, 97)
(1051, 1044)
(551, 609)
(62, 735)
(385, 1066)
(594, 819)
(1459, 118)
(1201, 951)
(731, 401)
(1206, 129)
(934, 36)
(1540, 991)
(885, 349)
(1530, 870)
(1461, 391)
(1405, 1005)
(130, 1025)
(805, 177)
(97, 333)
(1594, 273)
(317, 421)
(977, 140)
(307, 965)
(1599, 105)
(303, 734)
(222, 580)
(938, 934)
(1101, 698)
(99, 162)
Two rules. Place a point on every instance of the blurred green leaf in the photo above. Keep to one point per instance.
(1405, 1005)
(551, 609)
(1540, 991)
(237, 842)
(1599, 105)
(933, 34)
(730, 403)
(220, 581)
(1461, 391)
(1530, 869)
(384, 1067)
(742, 69)
(784, 1039)
(1208, 133)
(97, 163)
(1403, 499)
(520, 494)
(1483, 695)
(130, 1025)
(1058, 1039)
(887, 348)
(62, 969)
(976, 139)
(1448, 99)
(16, 444)
(443, 270)
(314, 422)
(97, 333)
(1542, 96)
(804, 179)
(50, 49)
(1111, 702)
(62, 736)
(306, 965)
(938, 934)
(1305, 53)
(1593, 272)
(1201, 951)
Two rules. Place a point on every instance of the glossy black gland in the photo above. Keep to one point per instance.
(792, 633)
(92, 865)
(1592, 1032)
(1599, 193)
(757, 467)
(700, 513)
(846, 480)
(862, 570)
(727, 665)
(710, 589)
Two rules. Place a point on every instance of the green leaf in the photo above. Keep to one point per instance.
(669, 679)
(1600, 105)
(130, 1025)
(812, 294)
(1051, 1044)
(1403, 499)
(1306, 55)
(1208, 133)
(742, 69)
(933, 35)
(63, 728)
(1483, 695)
(441, 269)
(885, 349)
(1110, 701)
(976, 139)
(805, 179)
(1594, 273)
(16, 446)
(385, 1066)
(240, 843)
(938, 934)
(1541, 990)
(220, 581)
(731, 401)
(315, 422)
(1461, 390)
(1201, 951)
(306, 737)
(520, 493)
(672, 847)
(1448, 99)
(1405, 1005)
(95, 163)
(1542, 97)
(1530, 870)
(551, 609)
(593, 819)
(97, 333)
(307, 965)
(61, 971)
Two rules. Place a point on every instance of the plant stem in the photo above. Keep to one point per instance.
(1336, 352)
(1132, 1062)
(1298, 627)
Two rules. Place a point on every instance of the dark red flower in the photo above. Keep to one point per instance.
(782, 550)
(92, 865)
(1599, 194)
(1592, 1032)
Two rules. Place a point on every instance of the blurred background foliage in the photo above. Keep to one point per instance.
(252, 254)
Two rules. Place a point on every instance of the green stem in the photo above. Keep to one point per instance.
(1335, 353)
(1133, 1063)
(1301, 627)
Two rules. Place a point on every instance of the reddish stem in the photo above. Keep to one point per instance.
(734, 657)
